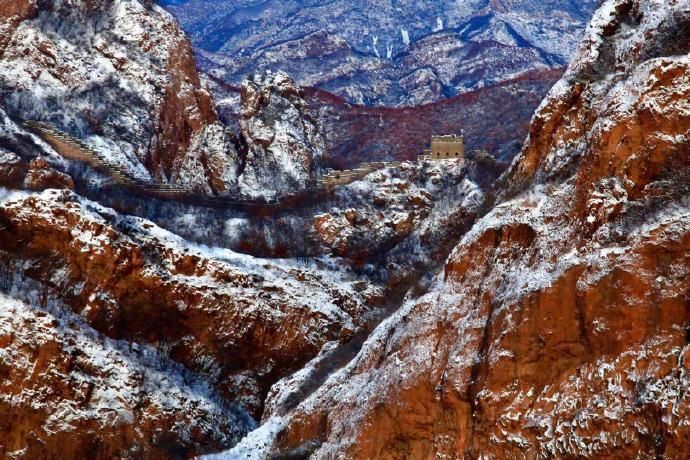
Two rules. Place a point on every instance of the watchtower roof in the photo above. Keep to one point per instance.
(447, 137)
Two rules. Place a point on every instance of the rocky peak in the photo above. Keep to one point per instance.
(257, 91)
(631, 51)
(285, 145)
(120, 75)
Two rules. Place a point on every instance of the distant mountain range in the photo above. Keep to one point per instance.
(388, 53)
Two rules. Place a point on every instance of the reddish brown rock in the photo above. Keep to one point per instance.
(67, 393)
(12, 170)
(186, 109)
(131, 280)
(559, 328)
(12, 12)
(42, 176)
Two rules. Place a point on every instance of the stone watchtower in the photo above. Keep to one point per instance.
(445, 148)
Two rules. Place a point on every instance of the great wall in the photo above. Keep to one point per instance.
(76, 150)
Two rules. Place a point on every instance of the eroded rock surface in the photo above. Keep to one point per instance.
(284, 144)
(559, 327)
(241, 322)
(42, 176)
(67, 392)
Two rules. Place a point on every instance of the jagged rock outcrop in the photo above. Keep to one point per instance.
(242, 323)
(402, 217)
(121, 75)
(559, 327)
(284, 144)
(42, 176)
(66, 392)
(12, 169)
(397, 207)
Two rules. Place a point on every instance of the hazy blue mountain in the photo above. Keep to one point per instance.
(384, 52)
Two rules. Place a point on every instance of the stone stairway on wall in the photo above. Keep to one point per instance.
(75, 149)
(118, 172)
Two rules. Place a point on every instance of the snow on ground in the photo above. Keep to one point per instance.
(123, 377)
(255, 446)
(308, 291)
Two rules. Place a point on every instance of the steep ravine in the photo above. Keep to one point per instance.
(559, 326)
(426, 316)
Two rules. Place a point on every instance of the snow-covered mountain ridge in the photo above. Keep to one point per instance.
(384, 53)
(121, 77)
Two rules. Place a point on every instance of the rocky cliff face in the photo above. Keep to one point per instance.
(384, 53)
(66, 391)
(559, 326)
(121, 75)
(239, 323)
(283, 144)
(403, 220)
